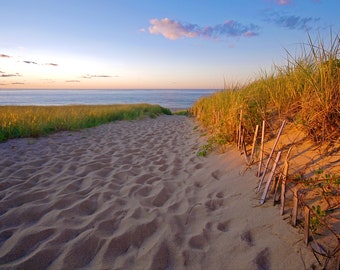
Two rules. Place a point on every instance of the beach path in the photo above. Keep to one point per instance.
(135, 195)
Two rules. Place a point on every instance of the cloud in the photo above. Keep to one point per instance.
(89, 76)
(8, 75)
(288, 2)
(72, 81)
(30, 62)
(173, 30)
(51, 64)
(283, 2)
(17, 83)
(291, 21)
(4, 56)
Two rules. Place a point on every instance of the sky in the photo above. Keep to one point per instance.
(150, 44)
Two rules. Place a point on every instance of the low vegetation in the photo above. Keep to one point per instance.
(304, 91)
(34, 121)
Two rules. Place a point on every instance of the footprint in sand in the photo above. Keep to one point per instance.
(247, 237)
(261, 261)
(213, 204)
(217, 174)
(223, 226)
(198, 242)
(198, 166)
(220, 195)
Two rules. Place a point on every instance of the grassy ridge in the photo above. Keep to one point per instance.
(304, 91)
(28, 121)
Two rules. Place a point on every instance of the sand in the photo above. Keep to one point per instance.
(134, 195)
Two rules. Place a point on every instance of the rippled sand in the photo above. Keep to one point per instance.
(134, 195)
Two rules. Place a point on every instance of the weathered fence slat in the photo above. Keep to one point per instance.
(283, 196)
(254, 143)
(284, 179)
(261, 150)
(239, 132)
(264, 195)
(295, 206)
(270, 156)
(307, 219)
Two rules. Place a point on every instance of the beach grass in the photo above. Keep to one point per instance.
(35, 121)
(305, 91)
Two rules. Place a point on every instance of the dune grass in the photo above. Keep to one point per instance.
(34, 121)
(304, 91)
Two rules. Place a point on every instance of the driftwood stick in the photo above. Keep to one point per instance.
(261, 149)
(284, 179)
(277, 187)
(307, 219)
(273, 186)
(248, 160)
(236, 135)
(242, 138)
(264, 195)
(254, 143)
(239, 132)
(270, 156)
(283, 195)
(295, 206)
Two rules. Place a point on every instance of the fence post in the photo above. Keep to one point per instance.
(295, 206)
(254, 143)
(283, 196)
(284, 179)
(307, 219)
(261, 149)
(264, 195)
(239, 132)
(270, 156)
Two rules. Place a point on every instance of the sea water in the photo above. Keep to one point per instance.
(172, 99)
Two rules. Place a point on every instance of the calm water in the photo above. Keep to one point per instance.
(174, 99)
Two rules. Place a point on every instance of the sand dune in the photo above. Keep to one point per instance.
(134, 195)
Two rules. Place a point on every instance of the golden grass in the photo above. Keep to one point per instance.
(27, 121)
(304, 91)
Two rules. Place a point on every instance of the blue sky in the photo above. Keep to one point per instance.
(122, 44)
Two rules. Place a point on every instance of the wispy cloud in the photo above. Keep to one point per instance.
(30, 62)
(283, 2)
(45, 64)
(72, 81)
(89, 76)
(173, 30)
(288, 2)
(291, 21)
(51, 64)
(8, 75)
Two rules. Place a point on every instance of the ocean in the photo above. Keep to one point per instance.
(172, 99)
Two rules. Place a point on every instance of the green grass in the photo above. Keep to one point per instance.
(34, 121)
(304, 91)
(182, 112)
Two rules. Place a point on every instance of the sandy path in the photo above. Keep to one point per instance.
(134, 195)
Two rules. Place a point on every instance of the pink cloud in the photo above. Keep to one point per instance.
(284, 2)
(171, 29)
